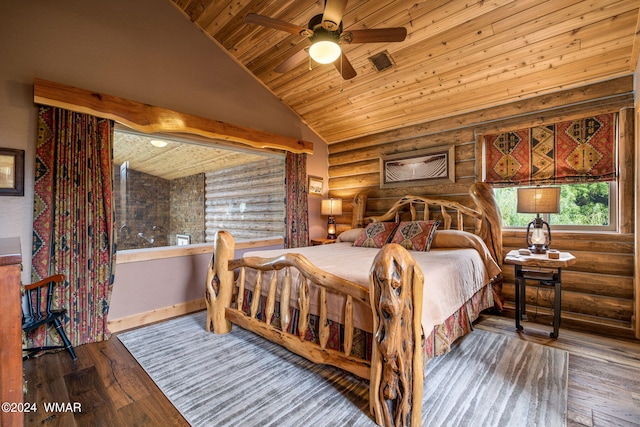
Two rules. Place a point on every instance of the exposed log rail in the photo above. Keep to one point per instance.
(150, 119)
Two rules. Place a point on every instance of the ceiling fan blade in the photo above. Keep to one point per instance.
(332, 16)
(344, 67)
(265, 21)
(292, 62)
(375, 35)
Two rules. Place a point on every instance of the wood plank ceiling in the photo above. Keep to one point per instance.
(459, 55)
(178, 158)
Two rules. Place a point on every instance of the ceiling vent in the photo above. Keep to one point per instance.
(382, 61)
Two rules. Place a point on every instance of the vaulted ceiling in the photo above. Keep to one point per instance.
(458, 56)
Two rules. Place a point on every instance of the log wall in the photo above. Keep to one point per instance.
(598, 294)
(246, 200)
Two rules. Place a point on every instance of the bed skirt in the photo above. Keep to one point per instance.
(436, 343)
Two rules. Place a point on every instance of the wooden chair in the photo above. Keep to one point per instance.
(36, 317)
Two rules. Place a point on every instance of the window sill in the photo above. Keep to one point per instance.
(570, 234)
(148, 254)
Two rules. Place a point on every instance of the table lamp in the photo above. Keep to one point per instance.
(331, 207)
(538, 200)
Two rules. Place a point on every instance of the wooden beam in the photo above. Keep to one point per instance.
(150, 119)
(625, 178)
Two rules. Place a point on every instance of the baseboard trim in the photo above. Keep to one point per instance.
(156, 315)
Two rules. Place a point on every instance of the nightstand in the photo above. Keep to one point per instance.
(317, 242)
(547, 272)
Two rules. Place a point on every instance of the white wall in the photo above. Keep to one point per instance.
(143, 50)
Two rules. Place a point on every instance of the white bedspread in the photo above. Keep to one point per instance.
(452, 276)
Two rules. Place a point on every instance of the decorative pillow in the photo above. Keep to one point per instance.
(375, 235)
(415, 235)
(349, 235)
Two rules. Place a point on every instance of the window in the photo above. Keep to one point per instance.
(582, 206)
(169, 191)
(578, 155)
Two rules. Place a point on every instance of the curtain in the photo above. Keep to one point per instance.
(73, 219)
(574, 151)
(296, 204)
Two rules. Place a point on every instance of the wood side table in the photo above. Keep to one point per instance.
(547, 272)
(317, 242)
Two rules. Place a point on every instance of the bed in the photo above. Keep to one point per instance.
(377, 312)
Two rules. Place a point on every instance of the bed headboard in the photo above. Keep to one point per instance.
(486, 214)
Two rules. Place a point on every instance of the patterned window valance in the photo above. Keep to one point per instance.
(580, 150)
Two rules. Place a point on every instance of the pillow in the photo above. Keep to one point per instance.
(415, 235)
(349, 235)
(463, 239)
(457, 239)
(375, 235)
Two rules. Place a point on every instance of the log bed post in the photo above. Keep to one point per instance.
(396, 287)
(219, 286)
(491, 227)
(359, 205)
(490, 231)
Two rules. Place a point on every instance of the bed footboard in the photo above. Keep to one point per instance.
(395, 370)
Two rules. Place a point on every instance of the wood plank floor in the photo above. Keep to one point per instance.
(113, 390)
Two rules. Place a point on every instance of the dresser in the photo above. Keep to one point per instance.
(10, 332)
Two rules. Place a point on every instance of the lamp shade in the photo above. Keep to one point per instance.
(325, 51)
(539, 200)
(331, 207)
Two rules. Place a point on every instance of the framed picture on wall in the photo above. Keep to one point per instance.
(425, 167)
(316, 185)
(11, 172)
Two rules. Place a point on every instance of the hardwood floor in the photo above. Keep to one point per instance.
(604, 373)
(107, 382)
(113, 390)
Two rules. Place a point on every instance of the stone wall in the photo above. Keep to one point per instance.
(187, 208)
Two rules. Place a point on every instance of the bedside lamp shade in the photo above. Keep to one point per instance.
(538, 200)
(331, 207)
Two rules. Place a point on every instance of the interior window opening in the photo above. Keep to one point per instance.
(171, 191)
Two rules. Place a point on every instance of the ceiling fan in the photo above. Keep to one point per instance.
(325, 34)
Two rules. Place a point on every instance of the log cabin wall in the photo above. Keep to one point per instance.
(247, 200)
(598, 291)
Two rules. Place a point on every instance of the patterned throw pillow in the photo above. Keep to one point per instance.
(415, 235)
(376, 235)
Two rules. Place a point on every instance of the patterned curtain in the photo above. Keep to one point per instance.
(73, 219)
(580, 150)
(296, 204)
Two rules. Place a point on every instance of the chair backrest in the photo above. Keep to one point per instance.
(39, 313)
(37, 304)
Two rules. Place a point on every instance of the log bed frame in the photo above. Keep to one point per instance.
(395, 371)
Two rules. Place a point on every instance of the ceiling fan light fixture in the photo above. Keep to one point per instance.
(158, 143)
(325, 51)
